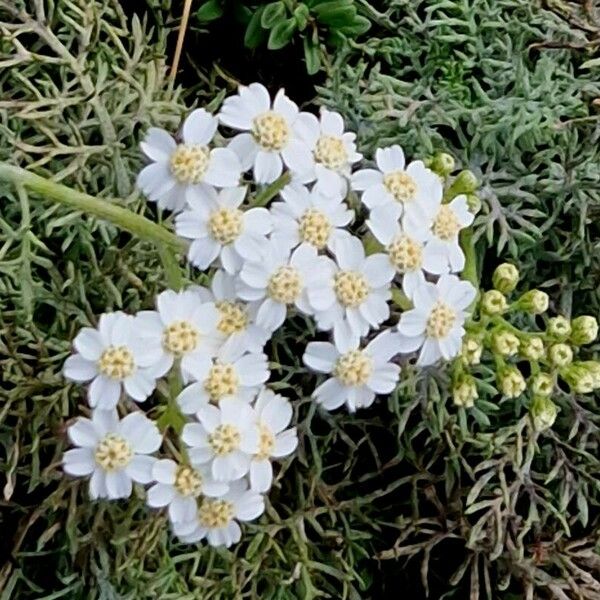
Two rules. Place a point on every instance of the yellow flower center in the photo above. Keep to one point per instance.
(271, 131)
(189, 163)
(215, 514)
(225, 224)
(224, 439)
(116, 362)
(353, 368)
(285, 285)
(405, 254)
(188, 482)
(446, 225)
(180, 337)
(400, 185)
(113, 453)
(222, 380)
(315, 228)
(233, 317)
(331, 152)
(351, 288)
(441, 320)
(266, 443)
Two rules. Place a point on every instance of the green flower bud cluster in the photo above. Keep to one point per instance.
(528, 361)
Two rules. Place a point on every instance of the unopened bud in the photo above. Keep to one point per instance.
(534, 302)
(464, 392)
(473, 203)
(505, 278)
(584, 330)
(593, 368)
(560, 355)
(505, 343)
(511, 382)
(443, 164)
(465, 183)
(559, 328)
(493, 302)
(532, 348)
(543, 413)
(542, 384)
(471, 350)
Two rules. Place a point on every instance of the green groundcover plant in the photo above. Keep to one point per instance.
(478, 463)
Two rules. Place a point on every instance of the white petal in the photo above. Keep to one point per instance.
(331, 123)
(249, 506)
(430, 353)
(160, 495)
(140, 432)
(140, 468)
(331, 394)
(378, 270)
(308, 128)
(98, 485)
(376, 196)
(164, 471)
(199, 127)
(277, 414)
(157, 144)
(224, 168)
(78, 368)
(383, 222)
(390, 159)
(365, 178)
(267, 167)
(139, 385)
(384, 378)
(285, 443)
(261, 475)
(245, 148)
(84, 433)
(298, 157)
(271, 315)
(252, 369)
(412, 323)
(89, 344)
(384, 346)
(285, 107)
(104, 393)
(79, 462)
(320, 356)
(192, 399)
(118, 485)
(344, 336)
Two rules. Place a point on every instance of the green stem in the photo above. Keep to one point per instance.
(264, 197)
(104, 209)
(470, 271)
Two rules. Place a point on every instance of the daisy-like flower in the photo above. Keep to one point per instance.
(113, 357)
(237, 319)
(178, 486)
(281, 280)
(333, 151)
(233, 374)
(182, 328)
(357, 374)
(226, 437)
(436, 323)
(308, 217)
(401, 189)
(443, 253)
(354, 297)
(186, 170)
(274, 413)
(217, 518)
(220, 228)
(270, 140)
(114, 452)
(404, 248)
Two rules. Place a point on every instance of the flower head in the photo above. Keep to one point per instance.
(584, 330)
(464, 392)
(113, 357)
(114, 452)
(511, 381)
(505, 278)
(435, 324)
(493, 303)
(543, 413)
(269, 139)
(181, 171)
(221, 229)
(534, 302)
(357, 373)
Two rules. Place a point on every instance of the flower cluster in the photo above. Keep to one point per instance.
(265, 262)
(547, 356)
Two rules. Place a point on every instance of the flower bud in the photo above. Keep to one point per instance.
(584, 330)
(465, 183)
(505, 278)
(493, 302)
(505, 343)
(543, 413)
(534, 302)
(464, 392)
(471, 350)
(532, 348)
(559, 328)
(442, 163)
(579, 378)
(593, 368)
(542, 384)
(473, 203)
(560, 355)
(511, 382)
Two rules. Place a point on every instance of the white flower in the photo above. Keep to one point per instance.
(308, 217)
(186, 170)
(411, 190)
(354, 297)
(271, 136)
(436, 323)
(333, 151)
(404, 248)
(274, 413)
(178, 486)
(281, 279)
(358, 374)
(233, 374)
(113, 357)
(216, 518)
(182, 328)
(237, 319)
(219, 228)
(442, 253)
(113, 452)
(226, 437)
